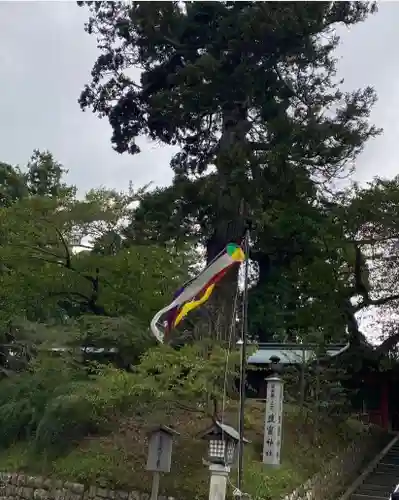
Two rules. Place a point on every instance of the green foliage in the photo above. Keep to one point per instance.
(82, 409)
(199, 376)
(42, 176)
(319, 388)
(58, 402)
(62, 258)
(234, 87)
(128, 336)
(12, 184)
(140, 280)
(118, 459)
(45, 177)
(196, 53)
(24, 397)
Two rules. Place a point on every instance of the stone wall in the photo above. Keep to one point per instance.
(341, 470)
(23, 487)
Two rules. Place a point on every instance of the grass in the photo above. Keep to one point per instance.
(117, 460)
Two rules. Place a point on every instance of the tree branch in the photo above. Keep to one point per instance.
(377, 302)
(361, 289)
(40, 249)
(77, 294)
(68, 262)
(94, 281)
(388, 344)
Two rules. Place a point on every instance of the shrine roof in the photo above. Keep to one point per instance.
(291, 354)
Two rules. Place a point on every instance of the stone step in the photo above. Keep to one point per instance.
(388, 477)
(381, 478)
(387, 463)
(381, 493)
(357, 496)
(384, 492)
(381, 481)
(375, 487)
(391, 459)
(387, 469)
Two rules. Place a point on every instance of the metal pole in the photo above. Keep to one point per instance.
(243, 363)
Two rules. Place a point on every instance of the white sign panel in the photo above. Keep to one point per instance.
(273, 421)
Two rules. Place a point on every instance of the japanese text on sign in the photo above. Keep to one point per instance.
(273, 421)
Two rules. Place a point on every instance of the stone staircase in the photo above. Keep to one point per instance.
(379, 480)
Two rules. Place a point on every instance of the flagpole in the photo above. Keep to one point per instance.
(243, 361)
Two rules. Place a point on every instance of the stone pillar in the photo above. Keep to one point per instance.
(273, 421)
(218, 483)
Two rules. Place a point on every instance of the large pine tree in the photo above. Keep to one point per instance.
(248, 92)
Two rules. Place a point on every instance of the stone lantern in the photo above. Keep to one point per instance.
(222, 454)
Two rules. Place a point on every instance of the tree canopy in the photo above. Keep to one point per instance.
(65, 260)
(246, 90)
(319, 257)
(249, 93)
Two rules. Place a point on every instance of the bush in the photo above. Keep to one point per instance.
(127, 335)
(66, 419)
(84, 408)
(58, 402)
(24, 397)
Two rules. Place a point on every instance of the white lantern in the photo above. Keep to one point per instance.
(223, 440)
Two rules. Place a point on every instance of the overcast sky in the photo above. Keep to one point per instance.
(46, 58)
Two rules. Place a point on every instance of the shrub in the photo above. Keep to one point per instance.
(24, 397)
(84, 408)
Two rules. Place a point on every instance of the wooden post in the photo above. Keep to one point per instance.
(155, 486)
(160, 440)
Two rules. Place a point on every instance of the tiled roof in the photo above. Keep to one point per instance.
(291, 353)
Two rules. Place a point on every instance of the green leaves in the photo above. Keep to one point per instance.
(198, 376)
(126, 338)
(68, 274)
(248, 93)
(44, 177)
(73, 250)
(200, 62)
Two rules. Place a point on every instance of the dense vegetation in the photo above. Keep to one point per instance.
(248, 92)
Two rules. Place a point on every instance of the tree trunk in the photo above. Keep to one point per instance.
(230, 223)
(355, 336)
(291, 327)
(224, 303)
